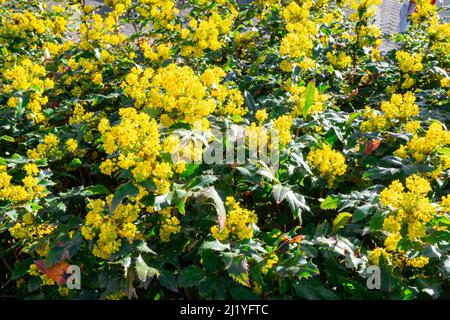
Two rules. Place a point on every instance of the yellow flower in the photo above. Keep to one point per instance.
(400, 107)
(445, 82)
(445, 203)
(419, 262)
(169, 224)
(412, 126)
(374, 255)
(71, 145)
(408, 62)
(391, 241)
(340, 61)
(31, 169)
(271, 261)
(261, 115)
(329, 163)
(419, 146)
(283, 124)
(239, 222)
(417, 184)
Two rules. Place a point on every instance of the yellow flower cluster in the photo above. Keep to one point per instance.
(160, 53)
(22, 23)
(98, 31)
(168, 224)
(239, 223)
(48, 148)
(298, 96)
(23, 77)
(411, 208)
(28, 229)
(136, 83)
(79, 115)
(206, 34)
(339, 61)
(364, 9)
(109, 227)
(424, 11)
(183, 95)
(375, 254)
(329, 163)
(272, 260)
(283, 125)
(21, 193)
(299, 41)
(26, 75)
(180, 93)
(261, 115)
(136, 141)
(419, 262)
(440, 36)
(409, 63)
(445, 203)
(366, 32)
(419, 147)
(71, 145)
(162, 13)
(375, 122)
(399, 108)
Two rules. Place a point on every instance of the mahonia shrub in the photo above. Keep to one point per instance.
(96, 100)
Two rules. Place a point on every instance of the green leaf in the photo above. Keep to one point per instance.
(191, 276)
(386, 274)
(296, 202)
(363, 212)
(168, 280)
(340, 221)
(250, 102)
(126, 189)
(55, 255)
(144, 272)
(142, 247)
(309, 98)
(237, 267)
(215, 245)
(182, 206)
(279, 193)
(7, 138)
(218, 203)
(377, 221)
(21, 268)
(75, 163)
(98, 189)
(330, 203)
(73, 245)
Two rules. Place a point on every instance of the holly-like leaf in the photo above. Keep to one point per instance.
(191, 276)
(237, 267)
(141, 246)
(330, 203)
(215, 246)
(127, 189)
(340, 221)
(309, 98)
(95, 190)
(218, 203)
(144, 272)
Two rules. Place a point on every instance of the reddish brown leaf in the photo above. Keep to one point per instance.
(56, 272)
(371, 146)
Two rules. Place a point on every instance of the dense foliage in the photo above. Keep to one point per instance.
(94, 101)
